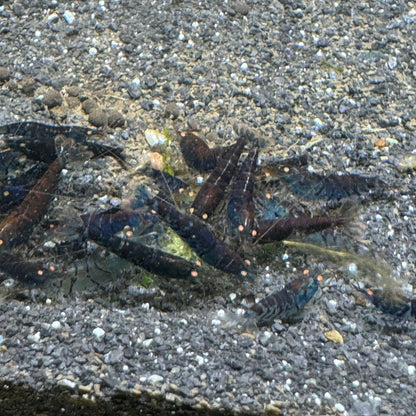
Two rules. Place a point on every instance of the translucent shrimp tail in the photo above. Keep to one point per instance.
(239, 319)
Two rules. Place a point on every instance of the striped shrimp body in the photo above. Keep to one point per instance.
(284, 304)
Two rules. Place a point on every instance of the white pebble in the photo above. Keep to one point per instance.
(338, 363)
(411, 370)
(179, 350)
(154, 137)
(392, 62)
(200, 359)
(56, 325)
(339, 407)
(355, 383)
(181, 36)
(244, 67)
(195, 25)
(92, 51)
(99, 334)
(327, 395)
(199, 180)
(38, 34)
(69, 17)
(216, 322)
(155, 378)
(51, 18)
(352, 268)
(1, 339)
(49, 244)
(318, 401)
(67, 383)
(232, 296)
(148, 342)
(34, 337)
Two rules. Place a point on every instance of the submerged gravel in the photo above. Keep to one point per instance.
(334, 80)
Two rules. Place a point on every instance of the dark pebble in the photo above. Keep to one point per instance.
(391, 122)
(98, 118)
(73, 91)
(28, 86)
(52, 98)
(115, 119)
(241, 8)
(89, 106)
(146, 105)
(150, 82)
(172, 110)
(4, 74)
(134, 91)
(193, 124)
(234, 364)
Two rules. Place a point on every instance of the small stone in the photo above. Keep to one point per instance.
(241, 8)
(28, 86)
(407, 163)
(73, 91)
(272, 409)
(172, 110)
(98, 118)
(147, 342)
(69, 17)
(89, 106)
(193, 124)
(411, 370)
(99, 334)
(56, 325)
(340, 407)
(380, 143)
(52, 98)
(154, 138)
(157, 161)
(4, 74)
(155, 378)
(338, 363)
(67, 383)
(115, 119)
(34, 337)
(334, 336)
(113, 357)
(264, 338)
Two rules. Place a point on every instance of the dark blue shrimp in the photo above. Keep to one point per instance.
(151, 259)
(310, 185)
(38, 140)
(213, 190)
(285, 303)
(24, 271)
(202, 240)
(240, 207)
(14, 190)
(110, 222)
(388, 301)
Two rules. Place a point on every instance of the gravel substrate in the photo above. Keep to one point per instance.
(333, 80)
